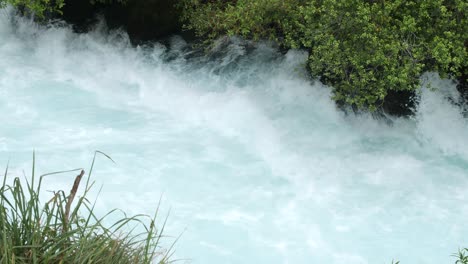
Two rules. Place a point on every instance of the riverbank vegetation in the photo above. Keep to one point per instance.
(56, 231)
(38, 8)
(363, 49)
(369, 51)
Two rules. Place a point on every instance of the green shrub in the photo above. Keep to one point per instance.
(38, 8)
(56, 232)
(44, 8)
(363, 49)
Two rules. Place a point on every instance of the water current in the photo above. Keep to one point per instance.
(254, 160)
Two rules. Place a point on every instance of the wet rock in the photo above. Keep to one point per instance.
(81, 14)
(462, 88)
(399, 103)
(143, 20)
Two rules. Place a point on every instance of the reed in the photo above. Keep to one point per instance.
(61, 231)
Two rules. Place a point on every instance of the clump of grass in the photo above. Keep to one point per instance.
(462, 256)
(57, 232)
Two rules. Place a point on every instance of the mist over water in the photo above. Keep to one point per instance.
(252, 157)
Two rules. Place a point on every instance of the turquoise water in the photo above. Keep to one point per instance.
(254, 160)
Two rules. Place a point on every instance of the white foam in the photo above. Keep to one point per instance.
(255, 160)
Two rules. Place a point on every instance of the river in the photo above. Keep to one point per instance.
(253, 159)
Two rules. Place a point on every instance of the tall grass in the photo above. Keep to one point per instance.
(55, 231)
(462, 256)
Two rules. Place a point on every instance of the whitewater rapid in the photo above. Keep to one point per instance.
(254, 160)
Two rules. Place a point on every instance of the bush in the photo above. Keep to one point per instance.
(364, 49)
(54, 232)
(42, 9)
(38, 8)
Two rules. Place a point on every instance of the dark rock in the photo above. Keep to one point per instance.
(462, 88)
(81, 14)
(399, 103)
(143, 20)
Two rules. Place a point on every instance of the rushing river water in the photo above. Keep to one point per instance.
(254, 160)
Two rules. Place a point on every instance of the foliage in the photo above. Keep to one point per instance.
(42, 8)
(38, 8)
(462, 256)
(363, 48)
(54, 232)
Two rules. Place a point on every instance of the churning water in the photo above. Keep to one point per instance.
(254, 160)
